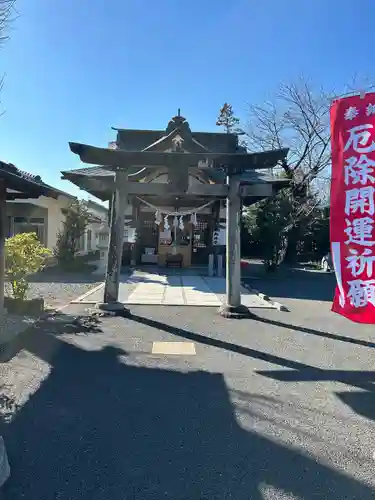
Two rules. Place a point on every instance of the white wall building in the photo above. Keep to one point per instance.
(45, 217)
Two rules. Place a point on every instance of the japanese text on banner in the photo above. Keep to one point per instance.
(359, 178)
(353, 206)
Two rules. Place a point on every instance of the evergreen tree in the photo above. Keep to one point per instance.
(228, 120)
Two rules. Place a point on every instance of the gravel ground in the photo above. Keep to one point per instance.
(275, 408)
(11, 325)
(58, 290)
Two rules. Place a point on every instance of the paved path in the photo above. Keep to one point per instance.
(176, 406)
(143, 288)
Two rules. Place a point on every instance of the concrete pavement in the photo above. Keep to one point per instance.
(153, 288)
(260, 409)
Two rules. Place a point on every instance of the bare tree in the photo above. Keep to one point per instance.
(298, 118)
(7, 14)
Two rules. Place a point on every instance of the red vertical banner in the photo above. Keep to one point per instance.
(353, 206)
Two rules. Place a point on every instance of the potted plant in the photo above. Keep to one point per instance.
(24, 255)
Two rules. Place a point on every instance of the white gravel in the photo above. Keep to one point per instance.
(58, 292)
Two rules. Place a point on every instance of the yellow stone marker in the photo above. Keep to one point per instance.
(176, 348)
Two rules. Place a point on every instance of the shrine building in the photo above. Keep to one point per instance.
(175, 213)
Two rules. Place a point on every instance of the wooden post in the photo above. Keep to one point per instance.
(136, 216)
(133, 249)
(233, 307)
(3, 224)
(215, 226)
(219, 265)
(115, 245)
(211, 264)
(110, 210)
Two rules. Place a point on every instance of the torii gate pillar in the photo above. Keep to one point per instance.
(233, 307)
(115, 246)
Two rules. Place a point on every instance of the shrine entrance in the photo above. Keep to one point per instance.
(176, 179)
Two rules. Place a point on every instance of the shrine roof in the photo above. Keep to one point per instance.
(119, 158)
(99, 170)
(138, 140)
(177, 138)
(99, 181)
(177, 144)
(142, 152)
(20, 184)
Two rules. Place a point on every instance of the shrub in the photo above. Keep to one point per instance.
(68, 239)
(24, 255)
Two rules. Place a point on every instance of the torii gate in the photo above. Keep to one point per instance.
(242, 182)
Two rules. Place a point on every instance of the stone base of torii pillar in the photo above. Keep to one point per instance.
(235, 312)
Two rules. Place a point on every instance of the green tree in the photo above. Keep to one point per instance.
(265, 222)
(228, 120)
(77, 218)
(24, 255)
(314, 243)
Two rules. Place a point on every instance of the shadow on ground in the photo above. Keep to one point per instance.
(83, 273)
(297, 285)
(101, 428)
(63, 277)
(317, 333)
(362, 402)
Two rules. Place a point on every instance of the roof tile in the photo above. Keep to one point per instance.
(101, 171)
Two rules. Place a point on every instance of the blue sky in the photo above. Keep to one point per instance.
(74, 68)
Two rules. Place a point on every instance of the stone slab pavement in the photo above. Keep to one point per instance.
(144, 288)
(258, 409)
